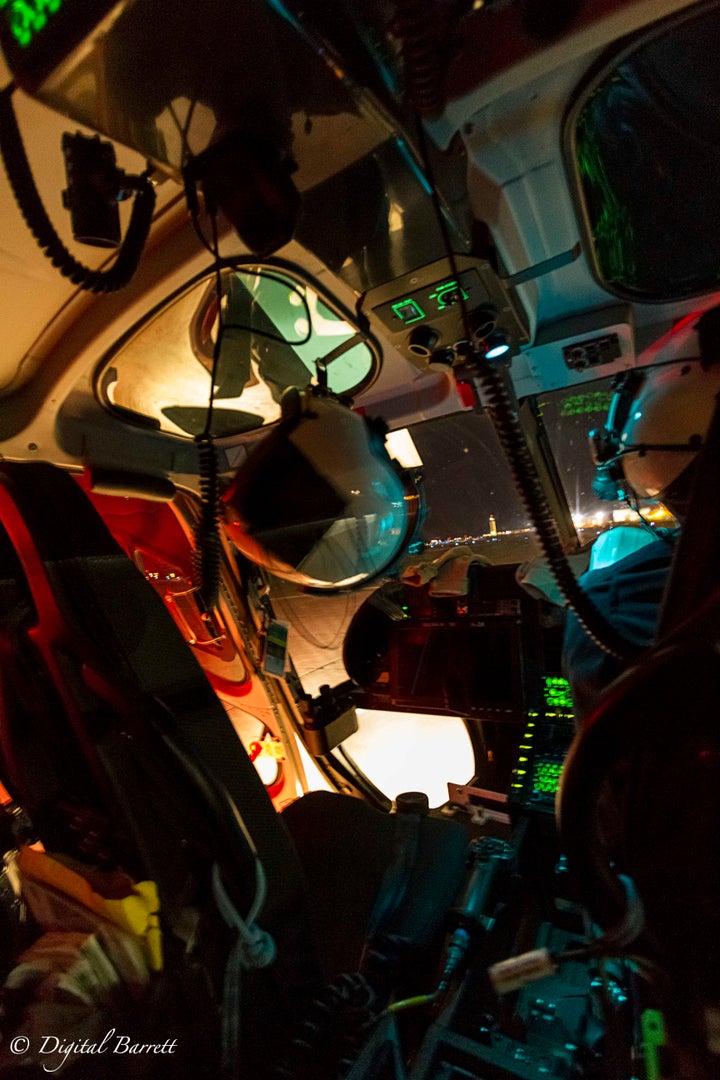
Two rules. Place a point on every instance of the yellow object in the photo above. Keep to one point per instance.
(133, 907)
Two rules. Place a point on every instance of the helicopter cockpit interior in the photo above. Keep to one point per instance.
(308, 312)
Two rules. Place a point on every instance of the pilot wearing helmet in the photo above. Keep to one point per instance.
(648, 450)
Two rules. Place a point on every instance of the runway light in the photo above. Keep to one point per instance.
(496, 344)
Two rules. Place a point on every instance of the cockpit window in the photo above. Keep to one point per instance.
(644, 144)
(568, 416)
(266, 331)
(469, 490)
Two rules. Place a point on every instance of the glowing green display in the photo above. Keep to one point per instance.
(596, 401)
(613, 234)
(546, 777)
(408, 310)
(432, 301)
(448, 294)
(26, 18)
(556, 691)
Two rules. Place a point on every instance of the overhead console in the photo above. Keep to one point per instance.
(424, 311)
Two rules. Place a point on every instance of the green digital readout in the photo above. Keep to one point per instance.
(447, 294)
(26, 18)
(596, 401)
(38, 35)
(556, 691)
(408, 310)
(436, 300)
(546, 777)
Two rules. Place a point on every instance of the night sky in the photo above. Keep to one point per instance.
(467, 477)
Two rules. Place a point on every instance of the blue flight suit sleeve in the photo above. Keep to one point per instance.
(629, 594)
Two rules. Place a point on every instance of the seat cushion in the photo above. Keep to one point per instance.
(347, 846)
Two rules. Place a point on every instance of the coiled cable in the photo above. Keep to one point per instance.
(506, 422)
(512, 438)
(31, 207)
(207, 555)
(416, 26)
(329, 1036)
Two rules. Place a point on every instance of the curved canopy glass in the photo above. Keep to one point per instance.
(266, 331)
(645, 152)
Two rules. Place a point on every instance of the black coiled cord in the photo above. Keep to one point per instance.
(512, 437)
(329, 1037)
(416, 26)
(208, 552)
(31, 207)
(507, 425)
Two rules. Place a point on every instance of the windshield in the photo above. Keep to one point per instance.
(470, 493)
(471, 503)
(568, 417)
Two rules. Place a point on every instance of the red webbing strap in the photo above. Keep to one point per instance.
(51, 635)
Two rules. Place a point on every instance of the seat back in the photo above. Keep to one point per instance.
(114, 741)
(112, 738)
(639, 816)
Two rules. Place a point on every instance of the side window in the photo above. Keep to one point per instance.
(266, 331)
(645, 151)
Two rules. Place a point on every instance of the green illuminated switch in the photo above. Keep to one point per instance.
(408, 310)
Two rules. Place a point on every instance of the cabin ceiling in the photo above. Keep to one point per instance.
(498, 152)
